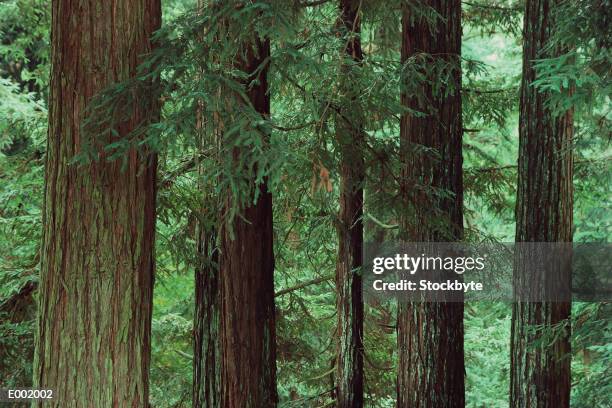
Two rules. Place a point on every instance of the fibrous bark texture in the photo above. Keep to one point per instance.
(206, 353)
(206, 388)
(349, 361)
(430, 335)
(540, 374)
(248, 343)
(97, 265)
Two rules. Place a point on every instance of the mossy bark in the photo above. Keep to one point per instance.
(430, 335)
(540, 371)
(97, 261)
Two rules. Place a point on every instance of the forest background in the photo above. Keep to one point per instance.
(304, 174)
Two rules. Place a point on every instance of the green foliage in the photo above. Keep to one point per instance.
(494, 16)
(171, 349)
(581, 76)
(25, 118)
(24, 50)
(592, 349)
(295, 151)
(24, 45)
(487, 347)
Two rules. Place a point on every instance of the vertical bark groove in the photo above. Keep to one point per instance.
(349, 361)
(540, 376)
(206, 349)
(97, 265)
(206, 356)
(248, 342)
(430, 335)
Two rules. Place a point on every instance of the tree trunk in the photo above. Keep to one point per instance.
(206, 349)
(248, 342)
(96, 281)
(430, 335)
(206, 353)
(540, 375)
(349, 302)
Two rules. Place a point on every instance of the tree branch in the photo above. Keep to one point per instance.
(481, 92)
(382, 224)
(488, 6)
(313, 3)
(303, 285)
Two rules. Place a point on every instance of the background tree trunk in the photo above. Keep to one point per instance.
(540, 375)
(96, 282)
(206, 349)
(248, 341)
(206, 353)
(430, 335)
(349, 301)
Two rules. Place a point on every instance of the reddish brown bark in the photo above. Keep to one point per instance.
(96, 281)
(206, 389)
(206, 352)
(349, 302)
(248, 342)
(430, 335)
(540, 375)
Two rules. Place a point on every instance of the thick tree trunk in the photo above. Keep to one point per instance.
(248, 341)
(430, 335)
(349, 362)
(96, 282)
(540, 375)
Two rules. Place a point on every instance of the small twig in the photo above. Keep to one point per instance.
(297, 127)
(376, 366)
(382, 224)
(488, 6)
(489, 91)
(514, 166)
(183, 354)
(303, 285)
(313, 3)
